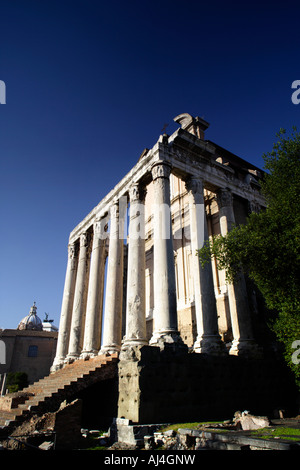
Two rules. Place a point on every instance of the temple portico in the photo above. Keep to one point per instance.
(160, 288)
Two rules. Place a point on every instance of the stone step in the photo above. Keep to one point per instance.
(62, 380)
(12, 416)
(7, 414)
(56, 385)
(78, 366)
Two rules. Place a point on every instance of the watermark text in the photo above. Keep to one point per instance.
(296, 94)
(296, 354)
(157, 222)
(2, 92)
(2, 352)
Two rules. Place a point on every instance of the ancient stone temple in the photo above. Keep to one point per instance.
(134, 284)
(179, 193)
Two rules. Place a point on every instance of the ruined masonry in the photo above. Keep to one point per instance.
(188, 343)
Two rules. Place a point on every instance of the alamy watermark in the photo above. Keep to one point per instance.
(296, 354)
(157, 222)
(2, 92)
(296, 94)
(2, 352)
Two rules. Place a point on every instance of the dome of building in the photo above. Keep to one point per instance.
(31, 321)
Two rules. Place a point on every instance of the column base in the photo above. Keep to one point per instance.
(131, 350)
(57, 365)
(168, 339)
(245, 348)
(86, 355)
(134, 342)
(71, 358)
(210, 344)
(110, 349)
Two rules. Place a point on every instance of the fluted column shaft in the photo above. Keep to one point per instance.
(112, 334)
(80, 297)
(135, 303)
(208, 338)
(93, 321)
(243, 342)
(165, 300)
(66, 309)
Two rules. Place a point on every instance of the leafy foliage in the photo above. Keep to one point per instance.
(16, 381)
(268, 246)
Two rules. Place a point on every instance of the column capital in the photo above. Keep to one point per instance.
(224, 197)
(84, 240)
(194, 184)
(72, 251)
(137, 192)
(100, 228)
(161, 169)
(114, 210)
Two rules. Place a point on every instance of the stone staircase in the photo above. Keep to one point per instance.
(48, 393)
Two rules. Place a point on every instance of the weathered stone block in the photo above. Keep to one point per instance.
(248, 422)
(13, 400)
(155, 386)
(68, 425)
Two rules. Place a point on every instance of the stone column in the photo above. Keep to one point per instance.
(80, 297)
(66, 309)
(93, 321)
(243, 342)
(135, 302)
(208, 339)
(165, 301)
(112, 334)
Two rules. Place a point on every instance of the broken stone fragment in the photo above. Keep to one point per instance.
(248, 422)
(46, 445)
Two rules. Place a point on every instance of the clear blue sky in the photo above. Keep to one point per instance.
(91, 83)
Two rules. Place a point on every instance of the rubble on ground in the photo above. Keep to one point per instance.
(235, 434)
(61, 427)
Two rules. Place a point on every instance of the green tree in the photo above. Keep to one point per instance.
(267, 248)
(16, 381)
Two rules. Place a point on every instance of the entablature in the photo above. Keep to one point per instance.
(188, 155)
